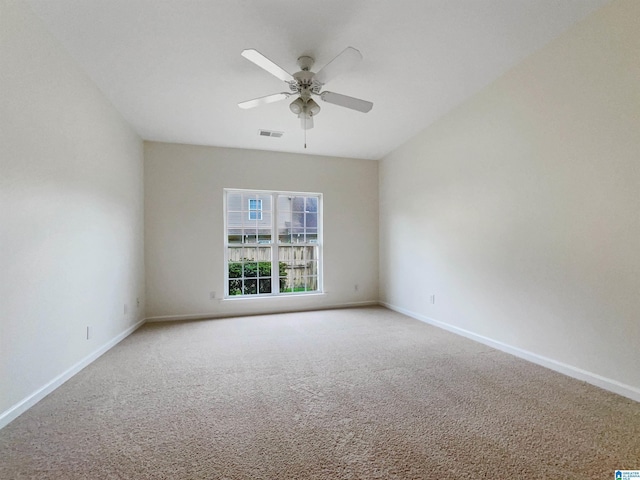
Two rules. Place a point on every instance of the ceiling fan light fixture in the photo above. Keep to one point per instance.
(297, 106)
(306, 121)
(312, 107)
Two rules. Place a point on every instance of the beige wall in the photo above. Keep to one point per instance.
(71, 210)
(184, 231)
(520, 210)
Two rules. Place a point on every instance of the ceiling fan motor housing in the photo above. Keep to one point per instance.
(305, 62)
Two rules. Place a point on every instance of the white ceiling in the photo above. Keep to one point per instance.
(173, 67)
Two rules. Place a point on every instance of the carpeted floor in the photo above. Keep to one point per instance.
(342, 394)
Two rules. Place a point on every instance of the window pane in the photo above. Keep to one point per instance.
(311, 204)
(284, 226)
(235, 269)
(311, 220)
(312, 268)
(234, 227)
(235, 237)
(246, 197)
(297, 220)
(234, 254)
(286, 238)
(235, 287)
(264, 269)
(265, 202)
(265, 285)
(285, 270)
(249, 253)
(284, 203)
(285, 254)
(250, 269)
(297, 204)
(250, 236)
(312, 284)
(264, 228)
(234, 220)
(310, 253)
(264, 254)
(312, 235)
(234, 202)
(251, 287)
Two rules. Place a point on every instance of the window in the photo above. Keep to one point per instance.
(272, 243)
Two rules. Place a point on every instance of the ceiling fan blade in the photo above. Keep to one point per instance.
(256, 102)
(266, 64)
(346, 101)
(345, 60)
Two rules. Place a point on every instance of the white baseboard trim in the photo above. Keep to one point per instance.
(25, 404)
(592, 378)
(212, 315)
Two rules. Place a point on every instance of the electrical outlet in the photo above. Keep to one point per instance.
(88, 333)
(432, 299)
(212, 295)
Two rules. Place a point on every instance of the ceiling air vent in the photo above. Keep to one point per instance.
(270, 133)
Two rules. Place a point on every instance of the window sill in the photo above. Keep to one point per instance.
(262, 297)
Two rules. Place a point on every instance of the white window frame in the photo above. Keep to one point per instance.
(274, 244)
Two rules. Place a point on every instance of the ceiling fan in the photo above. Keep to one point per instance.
(306, 84)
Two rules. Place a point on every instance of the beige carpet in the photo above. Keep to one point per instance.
(343, 394)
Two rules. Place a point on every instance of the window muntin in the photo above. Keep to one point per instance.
(261, 263)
